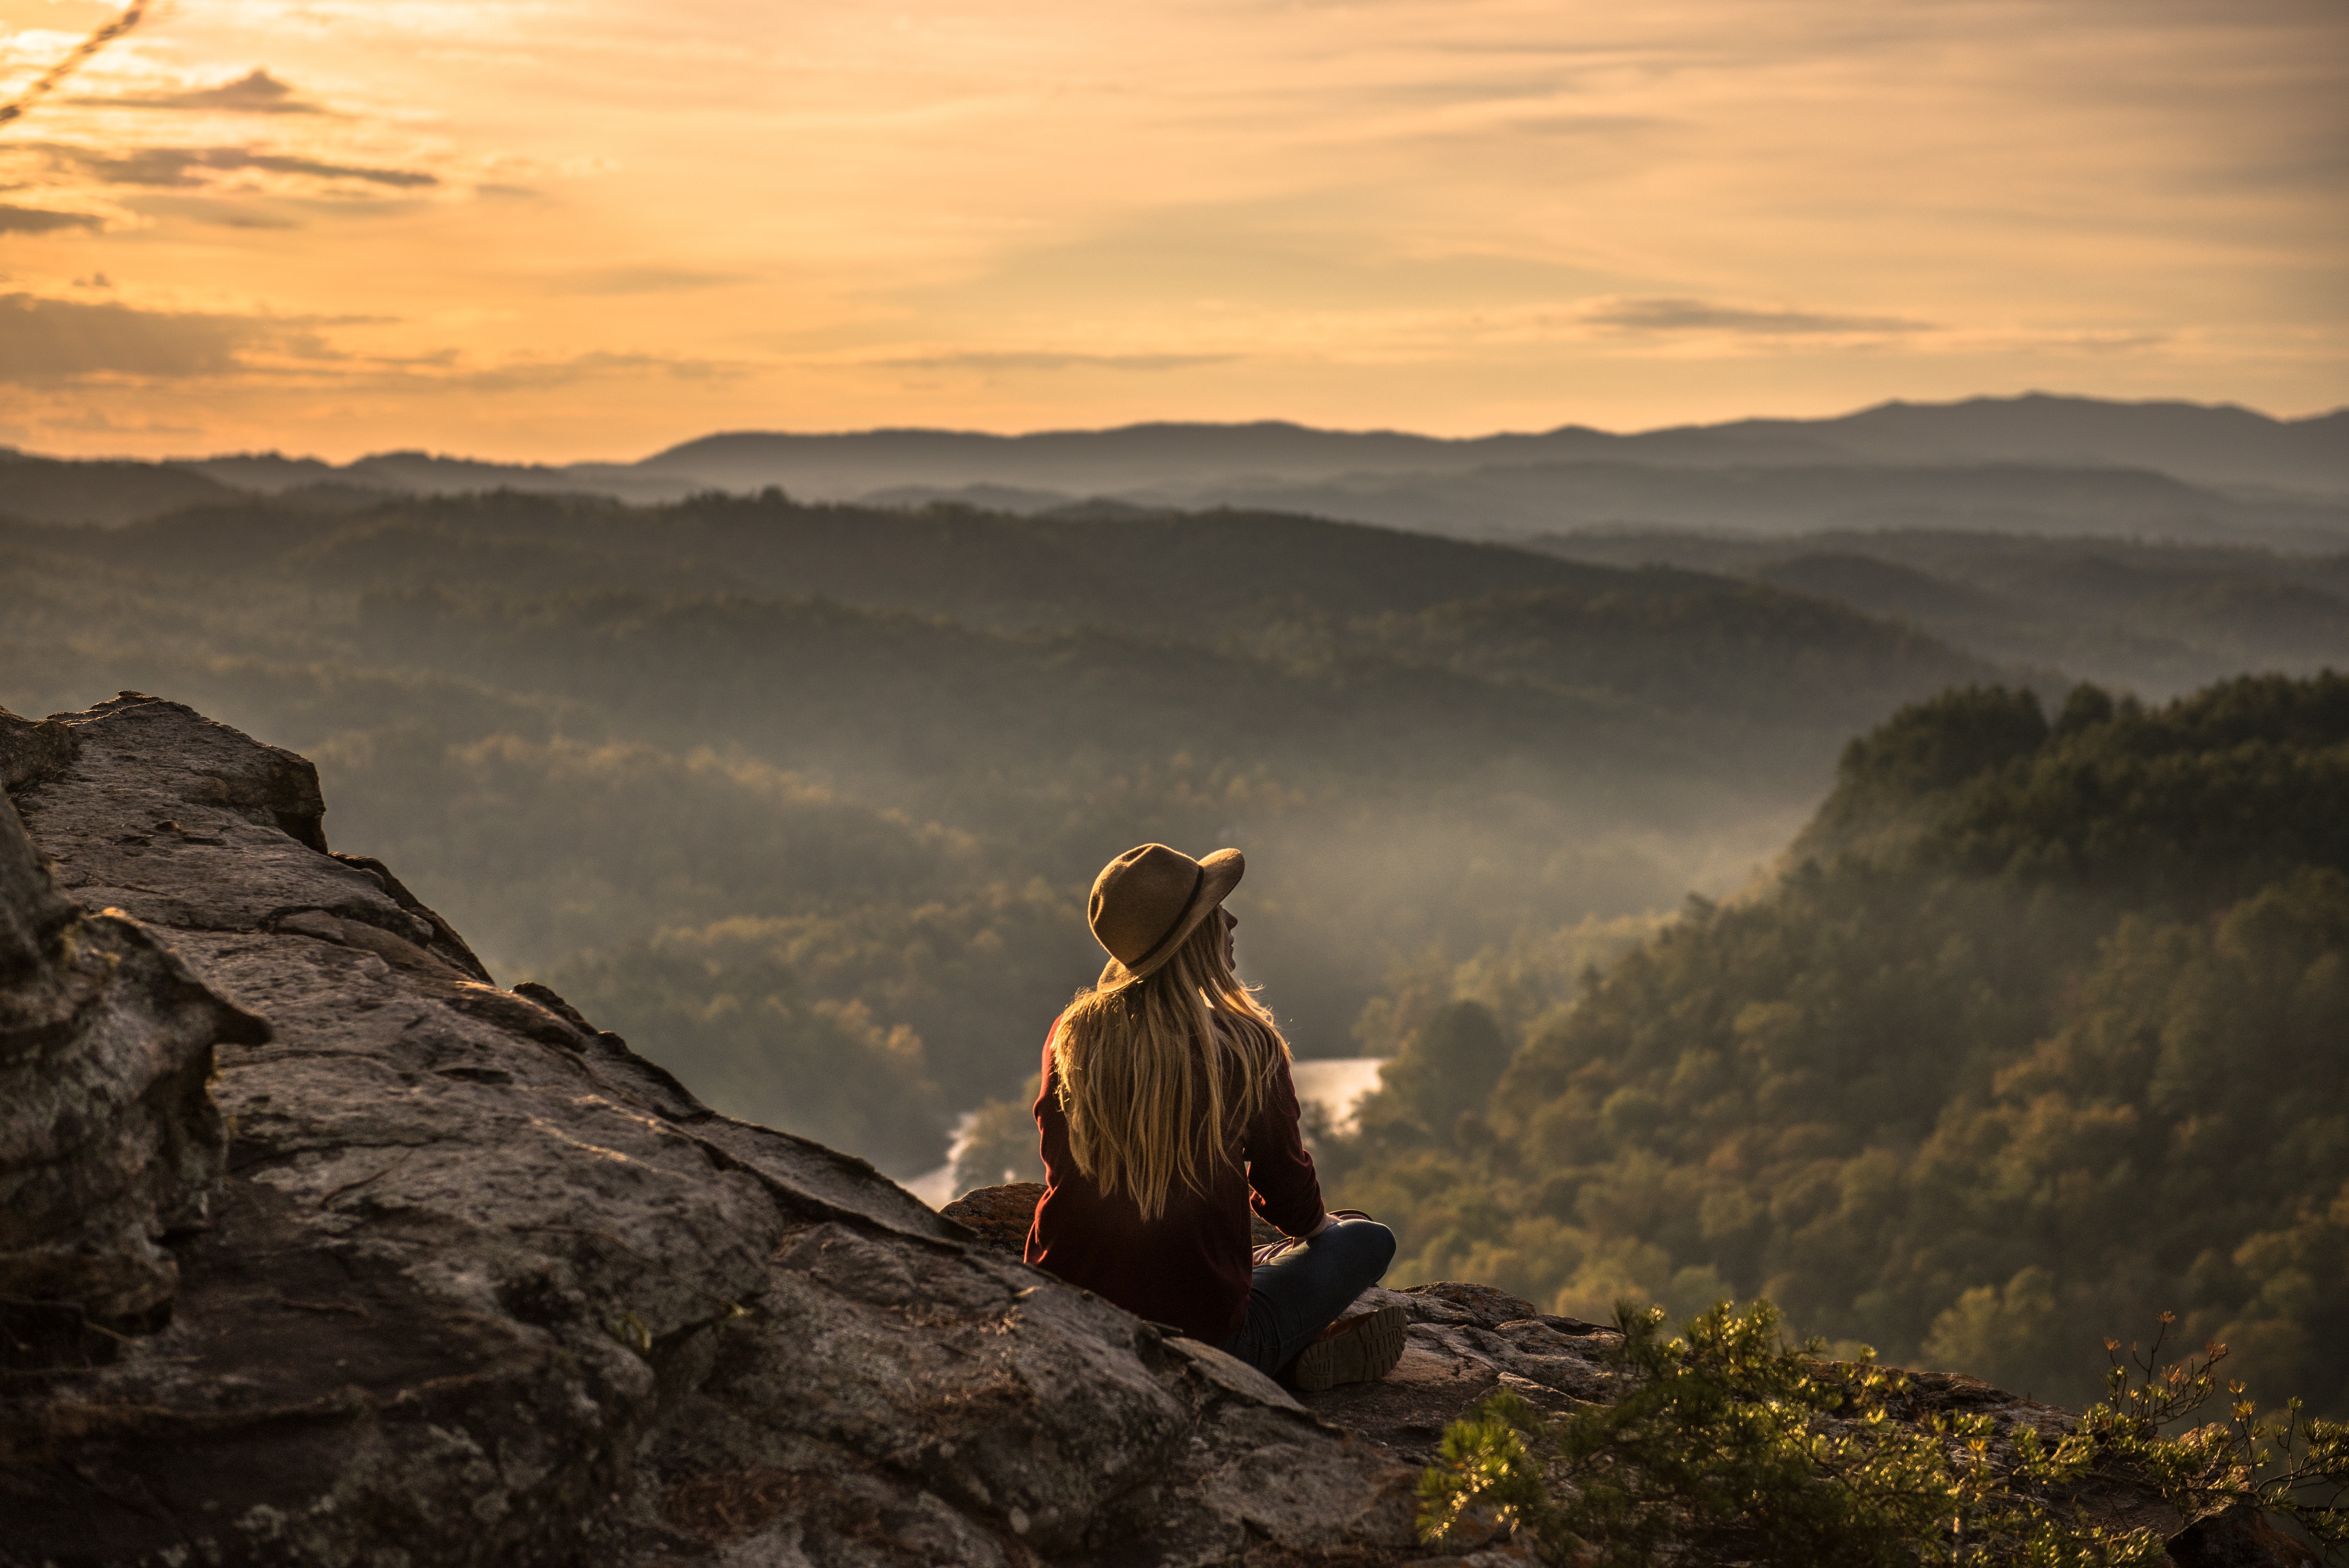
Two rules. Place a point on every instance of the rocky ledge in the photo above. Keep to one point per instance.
(1463, 1342)
(317, 1246)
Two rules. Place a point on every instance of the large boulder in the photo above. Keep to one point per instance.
(467, 1281)
(108, 1138)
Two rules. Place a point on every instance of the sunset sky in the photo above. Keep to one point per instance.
(563, 229)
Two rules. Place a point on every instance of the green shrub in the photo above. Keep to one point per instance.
(2289, 1464)
(1729, 1443)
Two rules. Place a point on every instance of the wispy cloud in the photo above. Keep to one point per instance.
(257, 92)
(229, 210)
(531, 375)
(178, 168)
(1049, 359)
(54, 339)
(45, 341)
(1677, 315)
(95, 421)
(42, 221)
(642, 280)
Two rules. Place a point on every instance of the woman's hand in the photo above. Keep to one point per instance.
(1328, 1219)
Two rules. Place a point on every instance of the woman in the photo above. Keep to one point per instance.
(1166, 1100)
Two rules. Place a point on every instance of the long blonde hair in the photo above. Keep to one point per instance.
(1158, 1077)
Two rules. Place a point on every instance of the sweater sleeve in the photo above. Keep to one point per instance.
(1287, 1192)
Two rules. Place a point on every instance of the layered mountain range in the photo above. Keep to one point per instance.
(2035, 464)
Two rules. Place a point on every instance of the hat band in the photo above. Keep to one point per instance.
(1198, 880)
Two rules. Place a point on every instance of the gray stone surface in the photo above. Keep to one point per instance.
(1461, 1342)
(478, 1284)
(109, 1138)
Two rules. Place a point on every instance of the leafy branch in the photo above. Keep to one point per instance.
(1728, 1442)
(2287, 1463)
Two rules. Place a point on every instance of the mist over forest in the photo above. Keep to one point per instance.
(2037, 1033)
(744, 772)
(2007, 1009)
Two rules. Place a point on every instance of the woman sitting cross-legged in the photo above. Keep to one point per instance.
(1166, 1102)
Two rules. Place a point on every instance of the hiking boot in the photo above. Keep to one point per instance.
(1360, 1349)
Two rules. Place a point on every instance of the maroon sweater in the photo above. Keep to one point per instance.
(1190, 1265)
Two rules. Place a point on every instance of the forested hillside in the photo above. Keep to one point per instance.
(2157, 619)
(806, 799)
(2042, 1030)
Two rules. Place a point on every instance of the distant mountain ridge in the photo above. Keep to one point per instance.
(2200, 443)
(1993, 497)
(2037, 464)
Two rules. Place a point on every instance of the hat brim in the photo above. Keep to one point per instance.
(1218, 874)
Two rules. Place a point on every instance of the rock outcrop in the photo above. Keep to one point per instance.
(1462, 1341)
(478, 1284)
(109, 1138)
(318, 1247)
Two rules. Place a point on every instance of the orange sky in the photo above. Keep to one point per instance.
(558, 229)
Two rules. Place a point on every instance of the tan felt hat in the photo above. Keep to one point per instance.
(1149, 899)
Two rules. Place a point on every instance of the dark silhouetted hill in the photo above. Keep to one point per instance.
(57, 490)
(2154, 618)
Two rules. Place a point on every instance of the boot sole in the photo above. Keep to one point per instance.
(1364, 1355)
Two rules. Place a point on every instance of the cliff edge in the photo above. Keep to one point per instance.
(438, 1273)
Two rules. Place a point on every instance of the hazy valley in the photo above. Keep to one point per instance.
(801, 796)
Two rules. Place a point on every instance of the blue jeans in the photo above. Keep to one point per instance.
(1300, 1292)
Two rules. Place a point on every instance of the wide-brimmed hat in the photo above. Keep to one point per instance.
(1149, 899)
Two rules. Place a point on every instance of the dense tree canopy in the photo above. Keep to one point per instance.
(2042, 1029)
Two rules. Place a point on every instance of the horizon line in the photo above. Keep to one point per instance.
(1749, 420)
